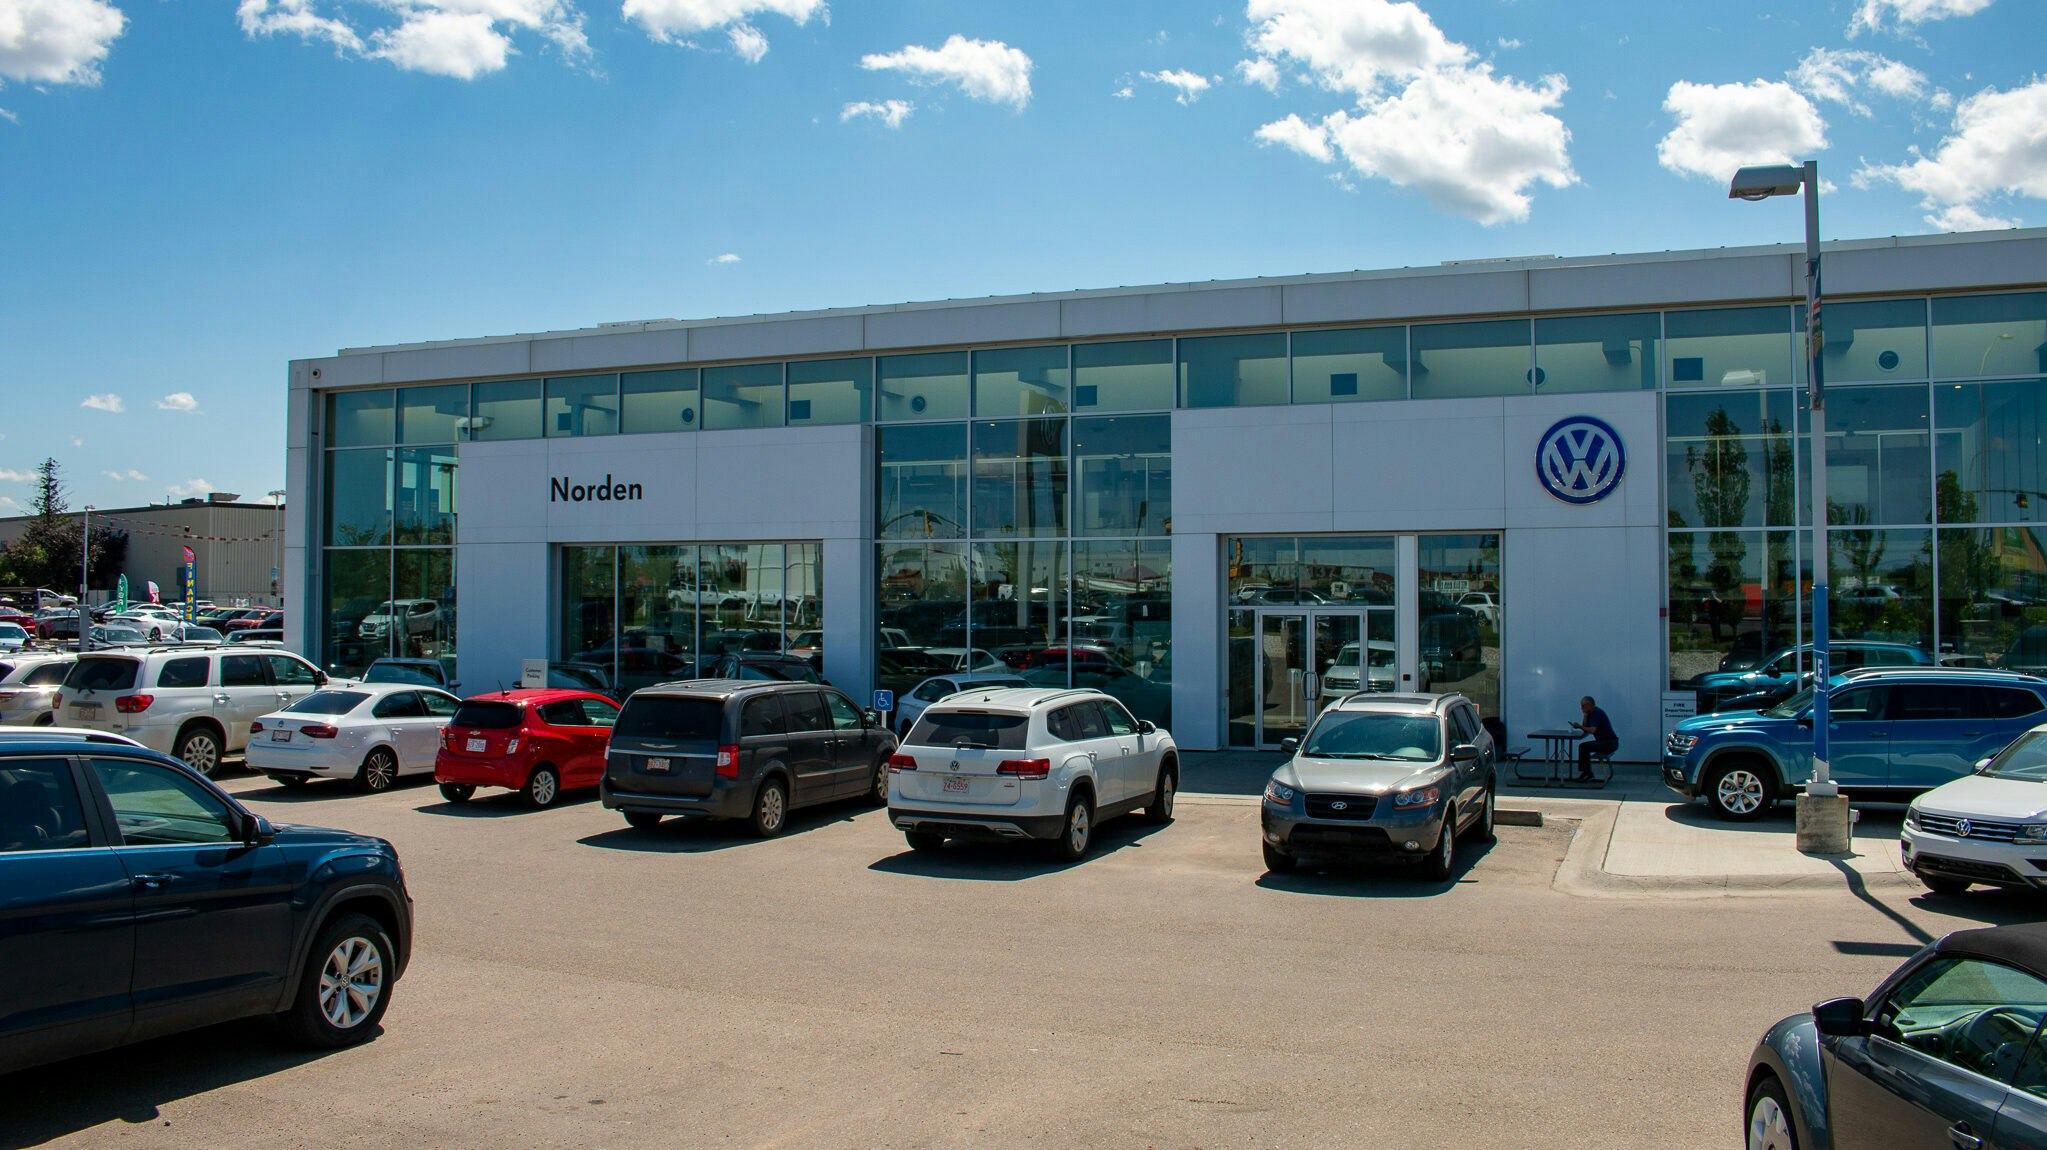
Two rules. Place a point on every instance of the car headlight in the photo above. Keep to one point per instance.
(1419, 797)
(1912, 818)
(1683, 744)
(2032, 832)
(1278, 793)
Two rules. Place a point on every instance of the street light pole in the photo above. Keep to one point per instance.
(277, 546)
(84, 577)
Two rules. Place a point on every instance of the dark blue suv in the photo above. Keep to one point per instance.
(137, 899)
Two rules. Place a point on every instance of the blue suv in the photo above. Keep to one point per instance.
(137, 899)
(1893, 732)
(1715, 689)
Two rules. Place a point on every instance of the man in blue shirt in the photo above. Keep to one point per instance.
(1599, 737)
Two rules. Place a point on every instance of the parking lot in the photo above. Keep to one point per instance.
(577, 983)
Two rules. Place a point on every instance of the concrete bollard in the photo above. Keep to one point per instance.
(1824, 825)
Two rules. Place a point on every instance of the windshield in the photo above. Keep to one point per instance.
(1790, 708)
(382, 609)
(2025, 759)
(1375, 735)
(985, 729)
(327, 703)
(381, 672)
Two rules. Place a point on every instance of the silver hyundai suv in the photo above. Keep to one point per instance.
(194, 702)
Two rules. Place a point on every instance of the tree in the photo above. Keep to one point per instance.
(47, 553)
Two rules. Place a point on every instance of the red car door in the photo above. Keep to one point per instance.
(599, 714)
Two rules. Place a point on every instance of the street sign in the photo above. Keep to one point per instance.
(884, 701)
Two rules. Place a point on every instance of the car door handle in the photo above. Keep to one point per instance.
(1092, 758)
(1963, 1137)
(154, 881)
(222, 698)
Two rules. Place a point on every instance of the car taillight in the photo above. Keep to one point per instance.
(901, 763)
(256, 728)
(57, 700)
(133, 704)
(512, 744)
(7, 696)
(728, 762)
(1025, 768)
(319, 731)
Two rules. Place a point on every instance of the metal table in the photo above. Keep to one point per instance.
(1558, 764)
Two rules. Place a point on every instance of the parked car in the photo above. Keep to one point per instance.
(220, 915)
(966, 659)
(1383, 776)
(255, 635)
(1943, 1053)
(1342, 677)
(252, 617)
(1785, 663)
(912, 702)
(28, 688)
(742, 749)
(575, 676)
(1988, 827)
(1029, 763)
(372, 734)
(1763, 699)
(193, 702)
(115, 635)
(1892, 733)
(402, 616)
(537, 742)
(1483, 604)
(756, 665)
(419, 672)
(1452, 646)
(14, 637)
(190, 633)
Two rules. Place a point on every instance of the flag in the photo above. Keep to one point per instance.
(154, 595)
(191, 584)
(121, 594)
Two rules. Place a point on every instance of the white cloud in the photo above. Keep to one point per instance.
(10, 503)
(462, 39)
(1125, 92)
(1188, 85)
(57, 41)
(676, 21)
(295, 18)
(1427, 114)
(108, 402)
(190, 488)
(75, 441)
(987, 70)
(10, 475)
(1721, 127)
(1870, 15)
(889, 112)
(179, 401)
(1997, 149)
(1508, 43)
(723, 259)
(1827, 74)
(129, 475)
(460, 45)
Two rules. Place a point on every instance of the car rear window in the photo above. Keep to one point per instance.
(102, 674)
(666, 717)
(328, 703)
(488, 716)
(996, 730)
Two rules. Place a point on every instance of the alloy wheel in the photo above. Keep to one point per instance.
(1077, 828)
(1769, 1128)
(543, 788)
(1740, 791)
(201, 753)
(1167, 789)
(380, 772)
(773, 810)
(351, 982)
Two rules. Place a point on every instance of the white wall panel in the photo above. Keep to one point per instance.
(506, 609)
(1583, 616)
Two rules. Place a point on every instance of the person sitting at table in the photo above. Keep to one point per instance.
(1599, 737)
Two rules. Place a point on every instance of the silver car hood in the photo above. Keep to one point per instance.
(1357, 776)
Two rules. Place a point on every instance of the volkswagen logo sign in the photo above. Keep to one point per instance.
(1962, 829)
(1580, 460)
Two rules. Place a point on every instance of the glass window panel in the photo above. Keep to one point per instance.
(1136, 375)
(1123, 469)
(359, 497)
(1729, 347)
(1020, 478)
(923, 481)
(357, 582)
(1244, 693)
(923, 603)
(1233, 370)
(657, 610)
(1988, 461)
(1879, 457)
(1597, 353)
(1348, 571)
(428, 575)
(432, 414)
(658, 401)
(1452, 360)
(803, 587)
(582, 405)
(1880, 584)
(747, 614)
(1460, 646)
(1728, 459)
(824, 391)
(507, 409)
(589, 608)
(1882, 339)
(426, 496)
(1350, 365)
(1990, 335)
(1264, 570)
(1020, 607)
(1020, 381)
(746, 395)
(932, 386)
(1733, 600)
(1993, 597)
(359, 418)
(1123, 601)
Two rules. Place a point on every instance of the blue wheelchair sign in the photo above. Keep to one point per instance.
(884, 700)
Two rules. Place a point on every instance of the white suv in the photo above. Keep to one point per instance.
(1032, 763)
(194, 702)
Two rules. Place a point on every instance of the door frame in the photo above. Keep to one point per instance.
(1310, 679)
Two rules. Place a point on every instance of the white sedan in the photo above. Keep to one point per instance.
(937, 687)
(373, 734)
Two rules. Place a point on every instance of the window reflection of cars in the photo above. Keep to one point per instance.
(1340, 678)
(1451, 646)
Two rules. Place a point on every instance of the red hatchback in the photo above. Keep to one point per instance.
(534, 742)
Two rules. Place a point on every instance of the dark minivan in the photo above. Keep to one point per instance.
(741, 749)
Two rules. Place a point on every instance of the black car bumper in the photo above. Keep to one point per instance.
(973, 825)
(727, 800)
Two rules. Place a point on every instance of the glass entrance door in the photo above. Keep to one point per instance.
(1309, 659)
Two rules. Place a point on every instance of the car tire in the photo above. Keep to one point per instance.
(457, 792)
(924, 840)
(199, 749)
(378, 773)
(291, 782)
(346, 984)
(1442, 860)
(1768, 1124)
(542, 788)
(1077, 832)
(643, 820)
(770, 809)
(1740, 791)
(1482, 828)
(877, 795)
(1278, 861)
(1944, 884)
(1160, 811)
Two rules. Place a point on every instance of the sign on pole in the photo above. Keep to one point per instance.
(121, 594)
(191, 581)
(884, 701)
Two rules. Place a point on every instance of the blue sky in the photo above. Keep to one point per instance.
(192, 193)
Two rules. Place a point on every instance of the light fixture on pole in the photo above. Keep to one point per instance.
(1823, 823)
(277, 546)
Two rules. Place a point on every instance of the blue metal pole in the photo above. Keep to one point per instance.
(1822, 665)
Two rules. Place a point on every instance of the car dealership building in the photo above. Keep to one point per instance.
(1524, 479)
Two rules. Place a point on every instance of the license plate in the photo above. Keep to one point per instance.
(658, 765)
(280, 735)
(86, 710)
(959, 785)
(477, 746)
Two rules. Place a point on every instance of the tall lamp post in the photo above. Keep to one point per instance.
(277, 546)
(84, 577)
(1823, 823)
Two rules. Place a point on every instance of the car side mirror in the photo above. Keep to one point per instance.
(455, 686)
(258, 832)
(1805, 720)
(1289, 745)
(319, 678)
(870, 718)
(1841, 1018)
(1983, 762)
(1463, 753)
(1146, 726)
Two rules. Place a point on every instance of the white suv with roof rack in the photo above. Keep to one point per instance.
(192, 701)
(1034, 763)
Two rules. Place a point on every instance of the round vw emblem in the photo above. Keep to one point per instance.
(1963, 828)
(1339, 806)
(1580, 459)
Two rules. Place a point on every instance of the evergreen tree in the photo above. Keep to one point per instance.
(47, 553)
